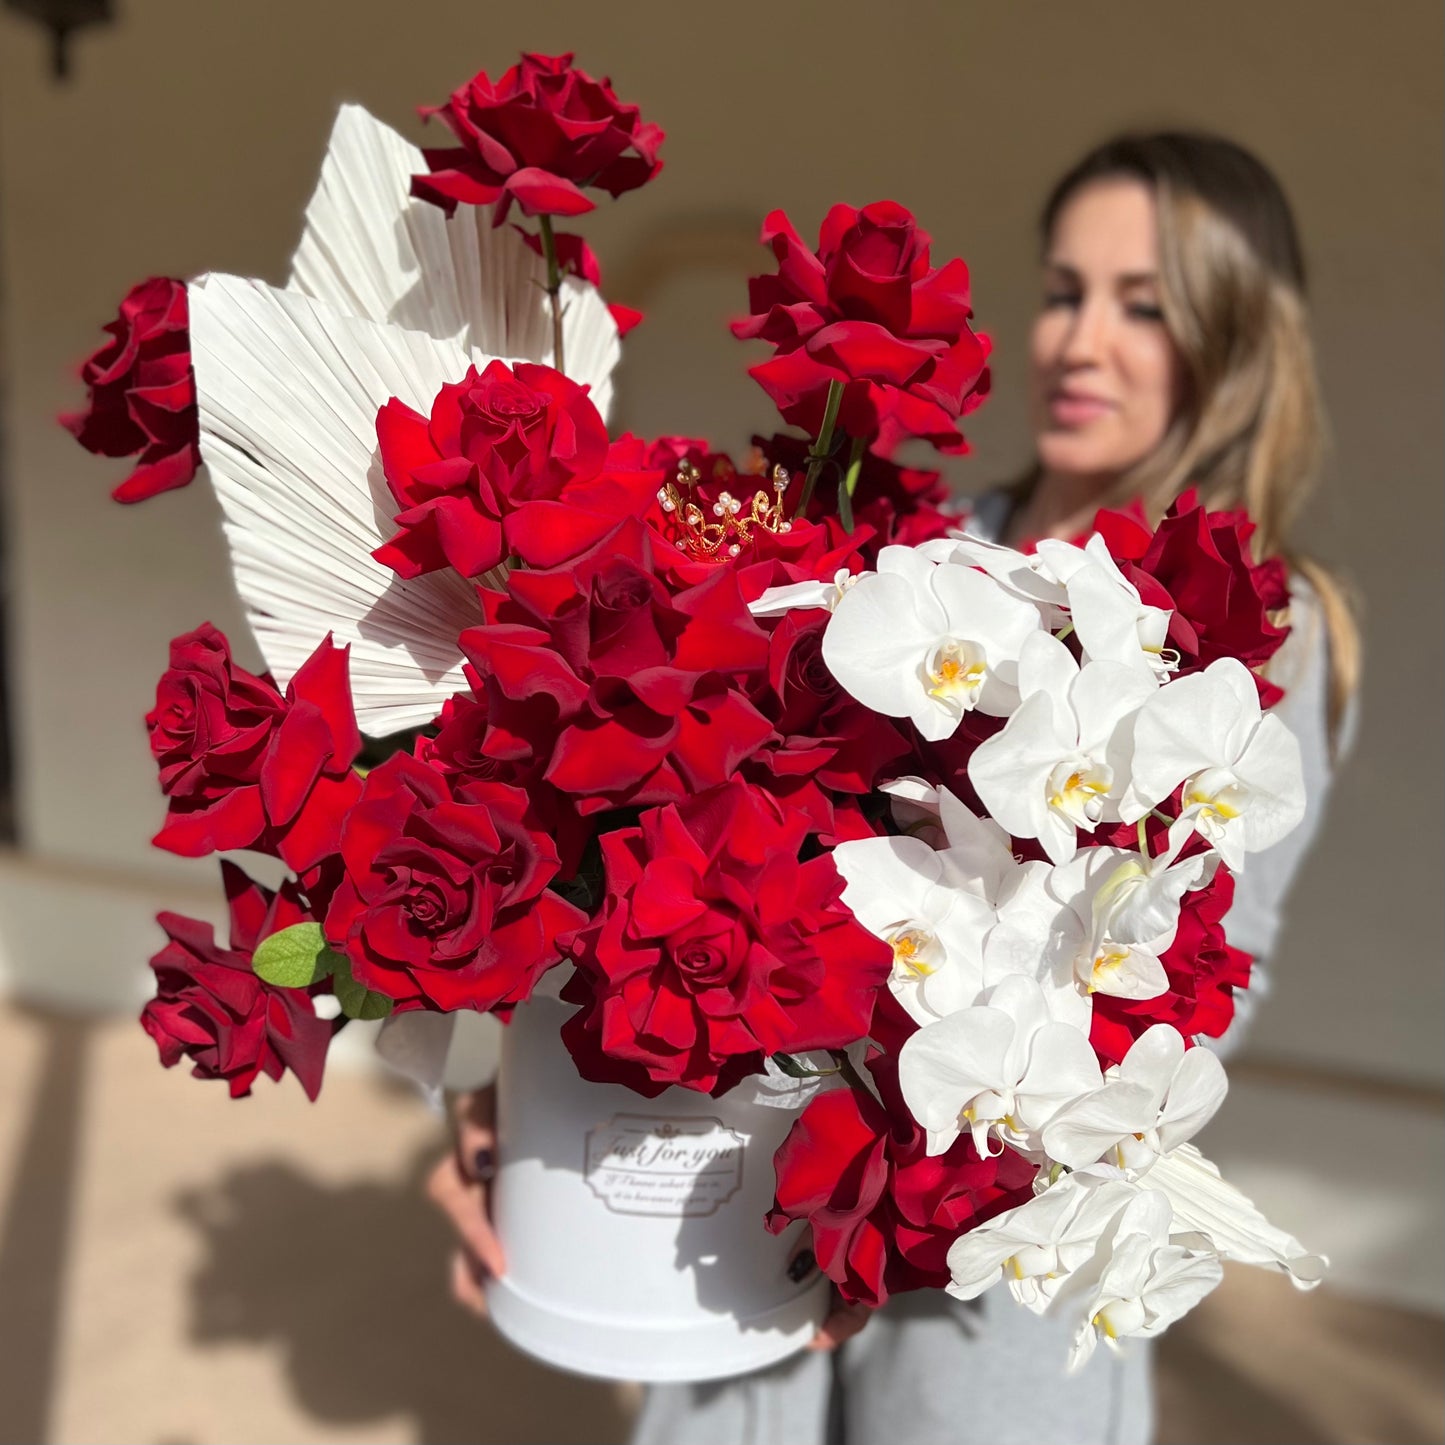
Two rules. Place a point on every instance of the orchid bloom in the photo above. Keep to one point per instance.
(929, 642)
(1243, 787)
(904, 892)
(776, 601)
(1061, 762)
(1024, 574)
(1111, 619)
(1148, 1282)
(1127, 904)
(1002, 1068)
(1039, 1245)
(1158, 1098)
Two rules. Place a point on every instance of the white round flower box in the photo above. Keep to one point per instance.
(633, 1227)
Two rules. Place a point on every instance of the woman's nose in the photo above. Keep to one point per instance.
(1087, 334)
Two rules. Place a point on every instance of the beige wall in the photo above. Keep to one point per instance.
(190, 137)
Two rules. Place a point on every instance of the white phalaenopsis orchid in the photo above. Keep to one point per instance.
(929, 642)
(776, 601)
(1127, 905)
(1025, 574)
(960, 912)
(1148, 1281)
(1061, 762)
(1158, 1098)
(1038, 1246)
(1112, 621)
(1002, 1068)
(1243, 786)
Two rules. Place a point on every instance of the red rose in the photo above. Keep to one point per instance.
(445, 901)
(538, 136)
(1204, 971)
(715, 945)
(245, 767)
(620, 690)
(869, 311)
(143, 393)
(493, 443)
(1199, 564)
(823, 741)
(883, 1211)
(211, 1008)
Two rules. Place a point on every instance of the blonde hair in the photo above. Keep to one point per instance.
(1250, 431)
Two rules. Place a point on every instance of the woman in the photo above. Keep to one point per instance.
(1172, 350)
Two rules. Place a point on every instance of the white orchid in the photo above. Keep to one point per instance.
(929, 642)
(906, 893)
(1001, 1068)
(1040, 1245)
(1025, 574)
(1243, 786)
(1158, 1098)
(1112, 622)
(1127, 906)
(1061, 762)
(1148, 1282)
(776, 601)
(960, 912)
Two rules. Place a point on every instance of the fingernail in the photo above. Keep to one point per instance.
(484, 1165)
(801, 1266)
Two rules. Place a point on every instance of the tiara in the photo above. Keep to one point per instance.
(729, 528)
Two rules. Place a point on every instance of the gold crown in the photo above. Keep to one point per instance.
(730, 528)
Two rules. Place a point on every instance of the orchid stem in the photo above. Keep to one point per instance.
(823, 445)
(1064, 632)
(554, 289)
(1143, 840)
(1163, 817)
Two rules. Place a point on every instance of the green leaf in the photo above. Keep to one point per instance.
(356, 1000)
(295, 957)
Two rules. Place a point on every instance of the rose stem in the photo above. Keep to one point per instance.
(850, 481)
(823, 445)
(554, 289)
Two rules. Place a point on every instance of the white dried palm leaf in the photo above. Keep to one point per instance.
(288, 391)
(370, 250)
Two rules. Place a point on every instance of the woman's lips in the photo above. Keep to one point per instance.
(1073, 409)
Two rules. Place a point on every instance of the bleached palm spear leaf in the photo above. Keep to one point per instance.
(370, 250)
(288, 390)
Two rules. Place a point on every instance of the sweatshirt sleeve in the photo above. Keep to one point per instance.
(1302, 668)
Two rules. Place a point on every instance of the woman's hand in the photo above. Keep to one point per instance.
(460, 1186)
(844, 1320)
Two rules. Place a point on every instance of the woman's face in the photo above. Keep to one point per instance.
(1105, 378)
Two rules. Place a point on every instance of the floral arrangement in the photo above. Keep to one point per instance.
(779, 766)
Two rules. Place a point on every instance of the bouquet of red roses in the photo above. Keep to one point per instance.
(768, 763)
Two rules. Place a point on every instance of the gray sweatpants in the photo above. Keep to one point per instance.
(927, 1370)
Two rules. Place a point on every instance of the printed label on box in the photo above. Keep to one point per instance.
(682, 1168)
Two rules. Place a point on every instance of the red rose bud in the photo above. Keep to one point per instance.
(716, 947)
(539, 135)
(869, 311)
(445, 903)
(245, 767)
(143, 393)
(212, 1009)
(883, 1211)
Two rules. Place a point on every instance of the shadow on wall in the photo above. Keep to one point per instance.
(332, 1275)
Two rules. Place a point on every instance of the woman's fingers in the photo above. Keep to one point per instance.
(843, 1323)
(467, 1284)
(459, 1185)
